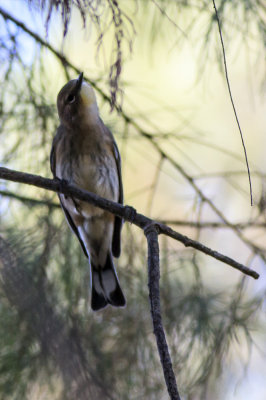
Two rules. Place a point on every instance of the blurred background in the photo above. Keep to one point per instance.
(158, 73)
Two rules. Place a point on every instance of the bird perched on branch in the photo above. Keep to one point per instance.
(84, 153)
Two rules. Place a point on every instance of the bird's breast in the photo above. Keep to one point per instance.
(97, 174)
(92, 168)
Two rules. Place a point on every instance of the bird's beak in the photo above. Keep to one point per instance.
(79, 83)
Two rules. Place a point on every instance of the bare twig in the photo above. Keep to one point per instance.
(206, 250)
(214, 224)
(164, 13)
(151, 233)
(231, 98)
(124, 212)
(56, 53)
(154, 185)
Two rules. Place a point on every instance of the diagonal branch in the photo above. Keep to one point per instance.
(28, 200)
(214, 224)
(64, 61)
(124, 212)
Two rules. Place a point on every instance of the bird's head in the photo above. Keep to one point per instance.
(76, 100)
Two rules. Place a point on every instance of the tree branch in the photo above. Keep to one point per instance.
(151, 233)
(28, 200)
(124, 212)
(213, 224)
(56, 53)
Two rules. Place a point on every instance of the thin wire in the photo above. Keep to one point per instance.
(232, 101)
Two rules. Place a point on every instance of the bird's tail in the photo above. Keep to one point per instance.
(105, 286)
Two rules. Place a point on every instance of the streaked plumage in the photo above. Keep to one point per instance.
(85, 154)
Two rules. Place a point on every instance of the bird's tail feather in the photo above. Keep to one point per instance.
(105, 286)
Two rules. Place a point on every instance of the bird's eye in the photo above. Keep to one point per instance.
(71, 98)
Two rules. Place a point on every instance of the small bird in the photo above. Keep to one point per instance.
(84, 153)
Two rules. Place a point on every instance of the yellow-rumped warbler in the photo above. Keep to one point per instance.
(84, 153)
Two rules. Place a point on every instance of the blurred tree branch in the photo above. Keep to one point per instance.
(28, 200)
(214, 225)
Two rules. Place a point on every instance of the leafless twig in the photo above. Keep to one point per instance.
(231, 98)
(214, 225)
(28, 200)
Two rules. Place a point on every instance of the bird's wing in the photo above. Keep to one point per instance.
(52, 155)
(73, 227)
(53, 169)
(116, 243)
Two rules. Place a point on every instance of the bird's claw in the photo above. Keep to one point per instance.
(130, 214)
(62, 184)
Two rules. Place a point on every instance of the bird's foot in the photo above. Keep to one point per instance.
(130, 213)
(62, 184)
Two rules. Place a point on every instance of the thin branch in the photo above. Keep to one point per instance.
(227, 174)
(28, 200)
(232, 101)
(154, 294)
(56, 53)
(154, 186)
(164, 13)
(206, 250)
(213, 225)
(125, 212)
